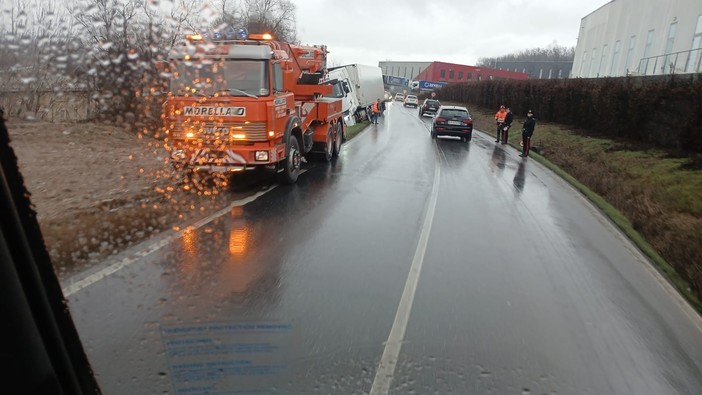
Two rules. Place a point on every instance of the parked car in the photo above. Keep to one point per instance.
(399, 97)
(429, 106)
(452, 121)
(411, 101)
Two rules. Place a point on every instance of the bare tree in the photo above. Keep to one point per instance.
(32, 56)
(276, 17)
(553, 53)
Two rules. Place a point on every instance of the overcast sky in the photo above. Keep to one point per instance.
(369, 31)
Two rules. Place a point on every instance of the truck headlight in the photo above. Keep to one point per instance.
(262, 156)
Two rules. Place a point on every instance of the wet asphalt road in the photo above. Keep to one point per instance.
(507, 282)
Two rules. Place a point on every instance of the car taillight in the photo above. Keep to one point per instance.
(468, 121)
(440, 119)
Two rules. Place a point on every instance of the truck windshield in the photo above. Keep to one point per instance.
(338, 92)
(229, 77)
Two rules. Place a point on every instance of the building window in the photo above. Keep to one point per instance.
(460, 75)
(582, 64)
(630, 53)
(615, 58)
(693, 61)
(469, 77)
(602, 67)
(593, 59)
(643, 66)
(451, 75)
(443, 73)
(667, 64)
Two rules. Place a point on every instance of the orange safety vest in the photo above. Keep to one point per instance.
(375, 107)
(500, 116)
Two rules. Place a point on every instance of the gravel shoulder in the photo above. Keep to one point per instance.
(98, 189)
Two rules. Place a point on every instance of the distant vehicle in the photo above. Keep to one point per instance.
(399, 97)
(452, 121)
(430, 106)
(411, 101)
(366, 85)
(387, 96)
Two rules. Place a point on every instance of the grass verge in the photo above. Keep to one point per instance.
(353, 130)
(650, 194)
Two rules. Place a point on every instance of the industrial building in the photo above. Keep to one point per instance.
(407, 70)
(640, 37)
(445, 72)
(452, 72)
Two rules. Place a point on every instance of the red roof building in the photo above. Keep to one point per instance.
(451, 72)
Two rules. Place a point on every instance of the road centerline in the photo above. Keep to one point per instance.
(391, 352)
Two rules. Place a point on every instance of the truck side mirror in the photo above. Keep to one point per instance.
(346, 87)
(277, 78)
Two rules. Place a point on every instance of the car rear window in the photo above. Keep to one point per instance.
(433, 103)
(450, 113)
(411, 97)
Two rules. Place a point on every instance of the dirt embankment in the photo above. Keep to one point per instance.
(99, 188)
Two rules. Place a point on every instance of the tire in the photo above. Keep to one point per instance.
(469, 137)
(292, 161)
(338, 139)
(433, 134)
(329, 145)
(324, 152)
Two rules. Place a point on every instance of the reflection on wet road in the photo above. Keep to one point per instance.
(524, 287)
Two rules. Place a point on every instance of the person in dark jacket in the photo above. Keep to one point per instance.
(509, 118)
(527, 131)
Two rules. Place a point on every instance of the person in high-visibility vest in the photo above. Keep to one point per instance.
(375, 110)
(499, 120)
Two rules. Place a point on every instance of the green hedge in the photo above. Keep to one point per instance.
(665, 111)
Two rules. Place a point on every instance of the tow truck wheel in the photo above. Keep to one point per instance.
(329, 145)
(338, 139)
(292, 161)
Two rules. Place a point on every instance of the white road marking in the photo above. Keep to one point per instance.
(153, 247)
(388, 362)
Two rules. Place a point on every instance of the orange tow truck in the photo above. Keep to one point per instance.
(240, 101)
